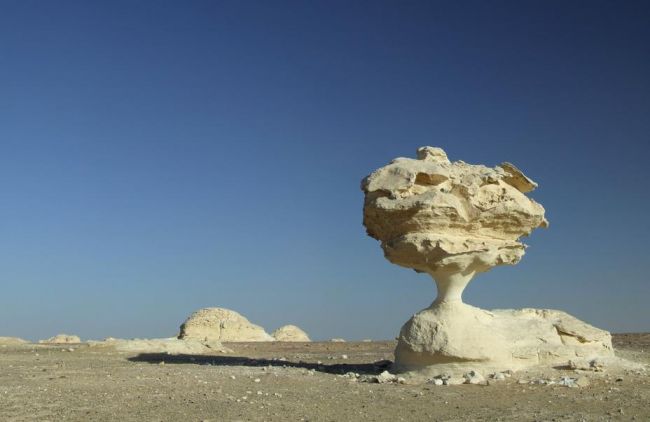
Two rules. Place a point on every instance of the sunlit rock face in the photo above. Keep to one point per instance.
(447, 218)
(290, 333)
(219, 324)
(453, 220)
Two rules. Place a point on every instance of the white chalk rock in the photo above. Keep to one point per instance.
(290, 333)
(12, 341)
(172, 346)
(498, 376)
(453, 220)
(386, 377)
(219, 324)
(473, 377)
(61, 339)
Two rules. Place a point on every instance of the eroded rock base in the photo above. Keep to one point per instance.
(454, 338)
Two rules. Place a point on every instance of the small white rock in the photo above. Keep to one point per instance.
(473, 377)
(386, 377)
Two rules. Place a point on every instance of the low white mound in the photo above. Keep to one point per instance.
(337, 340)
(219, 324)
(171, 346)
(290, 333)
(11, 341)
(61, 339)
(454, 338)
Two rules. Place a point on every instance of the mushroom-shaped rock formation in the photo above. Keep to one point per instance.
(290, 333)
(219, 324)
(453, 221)
(61, 339)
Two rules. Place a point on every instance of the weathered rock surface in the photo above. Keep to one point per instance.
(451, 220)
(290, 333)
(11, 341)
(219, 324)
(61, 339)
(454, 220)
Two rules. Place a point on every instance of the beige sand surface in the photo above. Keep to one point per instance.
(44, 382)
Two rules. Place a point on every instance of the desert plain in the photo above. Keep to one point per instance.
(317, 381)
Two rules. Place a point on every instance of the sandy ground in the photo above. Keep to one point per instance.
(51, 383)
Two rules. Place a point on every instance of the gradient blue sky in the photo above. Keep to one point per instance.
(157, 157)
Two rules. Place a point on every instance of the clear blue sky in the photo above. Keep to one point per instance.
(157, 157)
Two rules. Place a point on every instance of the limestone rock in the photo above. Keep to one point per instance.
(12, 341)
(386, 377)
(581, 364)
(172, 346)
(290, 333)
(61, 339)
(337, 340)
(454, 220)
(447, 218)
(219, 324)
(473, 377)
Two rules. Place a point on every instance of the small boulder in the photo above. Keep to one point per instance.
(473, 377)
(386, 377)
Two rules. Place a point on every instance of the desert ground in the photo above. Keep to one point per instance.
(273, 381)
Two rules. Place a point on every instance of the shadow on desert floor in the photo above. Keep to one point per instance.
(338, 368)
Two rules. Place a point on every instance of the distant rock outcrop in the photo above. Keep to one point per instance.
(11, 341)
(290, 333)
(61, 339)
(171, 346)
(219, 324)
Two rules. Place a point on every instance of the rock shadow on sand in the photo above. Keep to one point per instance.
(374, 368)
